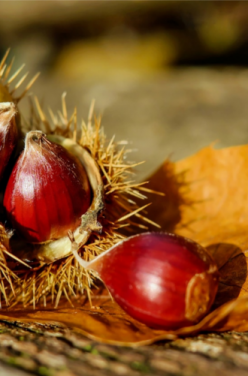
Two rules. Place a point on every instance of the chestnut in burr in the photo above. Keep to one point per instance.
(47, 192)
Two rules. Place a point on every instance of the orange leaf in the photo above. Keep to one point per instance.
(217, 182)
(211, 202)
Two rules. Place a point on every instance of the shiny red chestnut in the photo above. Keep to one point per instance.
(47, 192)
(163, 280)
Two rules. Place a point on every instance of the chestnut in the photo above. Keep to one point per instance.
(54, 187)
(8, 133)
(163, 280)
(47, 191)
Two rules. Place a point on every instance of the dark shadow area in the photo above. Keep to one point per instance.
(165, 210)
(232, 265)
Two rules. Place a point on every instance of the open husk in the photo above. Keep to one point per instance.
(50, 251)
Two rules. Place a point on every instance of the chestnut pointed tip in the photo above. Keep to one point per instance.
(37, 134)
(34, 138)
(7, 111)
(5, 106)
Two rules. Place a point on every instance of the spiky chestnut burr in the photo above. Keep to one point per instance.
(8, 87)
(7, 94)
(163, 280)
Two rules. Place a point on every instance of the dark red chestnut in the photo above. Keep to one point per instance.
(8, 133)
(162, 280)
(47, 192)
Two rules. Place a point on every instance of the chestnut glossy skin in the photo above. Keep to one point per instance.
(47, 192)
(8, 133)
(150, 276)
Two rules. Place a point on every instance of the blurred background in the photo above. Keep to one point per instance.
(169, 77)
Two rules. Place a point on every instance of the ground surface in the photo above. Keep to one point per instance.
(52, 351)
